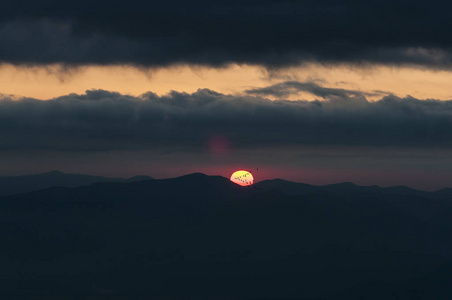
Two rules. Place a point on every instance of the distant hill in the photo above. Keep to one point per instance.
(294, 188)
(418, 203)
(27, 183)
(204, 237)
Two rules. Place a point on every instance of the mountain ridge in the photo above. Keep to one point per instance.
(31, 182)
(200, 236)
(10, 185)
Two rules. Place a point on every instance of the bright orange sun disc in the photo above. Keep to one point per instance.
(242, 177)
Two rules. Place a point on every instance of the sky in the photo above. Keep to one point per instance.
(311, 91)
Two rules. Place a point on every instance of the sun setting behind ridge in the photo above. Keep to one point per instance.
(242, 177)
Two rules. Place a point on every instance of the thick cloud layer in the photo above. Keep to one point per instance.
(100, 120)
(272, 33)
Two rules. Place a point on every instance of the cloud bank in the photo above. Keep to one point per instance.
(103, 120)
(270, 33)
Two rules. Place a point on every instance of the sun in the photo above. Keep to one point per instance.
(242, 177)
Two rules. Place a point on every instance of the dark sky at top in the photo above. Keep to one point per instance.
(271, 33)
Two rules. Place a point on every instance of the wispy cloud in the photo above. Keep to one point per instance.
(288, 88)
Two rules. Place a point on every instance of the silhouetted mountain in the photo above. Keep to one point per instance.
(200, 236)
(288, 187)
(421, 204)
(137, 178)
(27, 183)
(294, 188)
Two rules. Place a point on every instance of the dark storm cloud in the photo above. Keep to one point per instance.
(272, 33)
(288, 88)
(101, 120)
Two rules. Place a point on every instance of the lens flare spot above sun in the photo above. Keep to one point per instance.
(242, 177)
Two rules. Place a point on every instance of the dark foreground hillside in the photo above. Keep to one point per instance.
(201, 236)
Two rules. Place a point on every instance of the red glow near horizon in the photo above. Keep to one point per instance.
(242, 177)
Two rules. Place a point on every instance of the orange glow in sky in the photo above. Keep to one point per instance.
(242, 177)
(46, 82)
